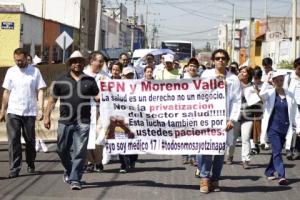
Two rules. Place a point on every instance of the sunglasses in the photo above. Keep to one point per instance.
(77, 60)
(220, 58)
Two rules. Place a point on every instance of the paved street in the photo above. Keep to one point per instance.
(155, 177)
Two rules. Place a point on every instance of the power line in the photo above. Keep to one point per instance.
(193, 33)
(194, 12)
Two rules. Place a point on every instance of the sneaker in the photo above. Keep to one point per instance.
(214, 186)
(197, 173)
(31, 170)
(43, 146)
(37, 146)
(204, 185)
(265, 146)
(271, 178)
(90, 167)
(98, 167)
(123, 171)
(66, 178)
(13, 174)
(255, 151)
(283, 181)
(75, 185)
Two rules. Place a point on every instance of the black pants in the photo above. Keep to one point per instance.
(16, 127)
(127, 160)
(297, 146)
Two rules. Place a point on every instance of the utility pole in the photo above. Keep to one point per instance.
(97, 45)
(232, 31)
(134, 24)
(294, 30)
(146, 24)
(154, 31)
(226, 38)
(266, 9)
(250, 32)
(266, 13)
(43, 33)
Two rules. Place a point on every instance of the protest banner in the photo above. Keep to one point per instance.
(186, 116)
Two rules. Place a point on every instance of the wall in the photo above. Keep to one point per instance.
(51, 49)
(63, 11)
(112, 33)
(31, 6)
(32, 34)
(279, 50)
(9, 38)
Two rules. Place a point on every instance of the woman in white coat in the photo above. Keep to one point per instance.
(280, 112)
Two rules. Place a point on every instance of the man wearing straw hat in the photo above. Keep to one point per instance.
(74, 89)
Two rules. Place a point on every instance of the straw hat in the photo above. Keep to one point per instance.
(76, 55)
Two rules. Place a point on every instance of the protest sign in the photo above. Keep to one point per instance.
(186, 116)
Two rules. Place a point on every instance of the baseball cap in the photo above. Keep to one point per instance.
(128, 70)
(169, 58)
(278, 73)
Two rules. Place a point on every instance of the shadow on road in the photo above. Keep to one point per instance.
(147, 169)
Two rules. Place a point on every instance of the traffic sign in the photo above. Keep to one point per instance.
(64, 40)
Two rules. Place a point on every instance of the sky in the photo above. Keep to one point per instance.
(197, 20)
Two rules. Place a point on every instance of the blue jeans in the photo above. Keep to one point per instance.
(210, 163)
(76, 136)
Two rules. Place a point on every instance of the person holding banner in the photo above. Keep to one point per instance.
(74, 89)
(95, 151)
(210, 166)
(281, 114)
(192, 72)
(22, 105)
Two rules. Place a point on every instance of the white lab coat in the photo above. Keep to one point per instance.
(233, 98)
(268, 96)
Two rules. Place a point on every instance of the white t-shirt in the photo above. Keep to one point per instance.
(23, 84)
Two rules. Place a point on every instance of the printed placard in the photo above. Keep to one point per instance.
(186, 116)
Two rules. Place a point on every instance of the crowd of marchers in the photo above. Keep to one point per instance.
(262, 104)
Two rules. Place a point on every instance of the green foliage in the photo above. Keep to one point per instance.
(284, 64)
